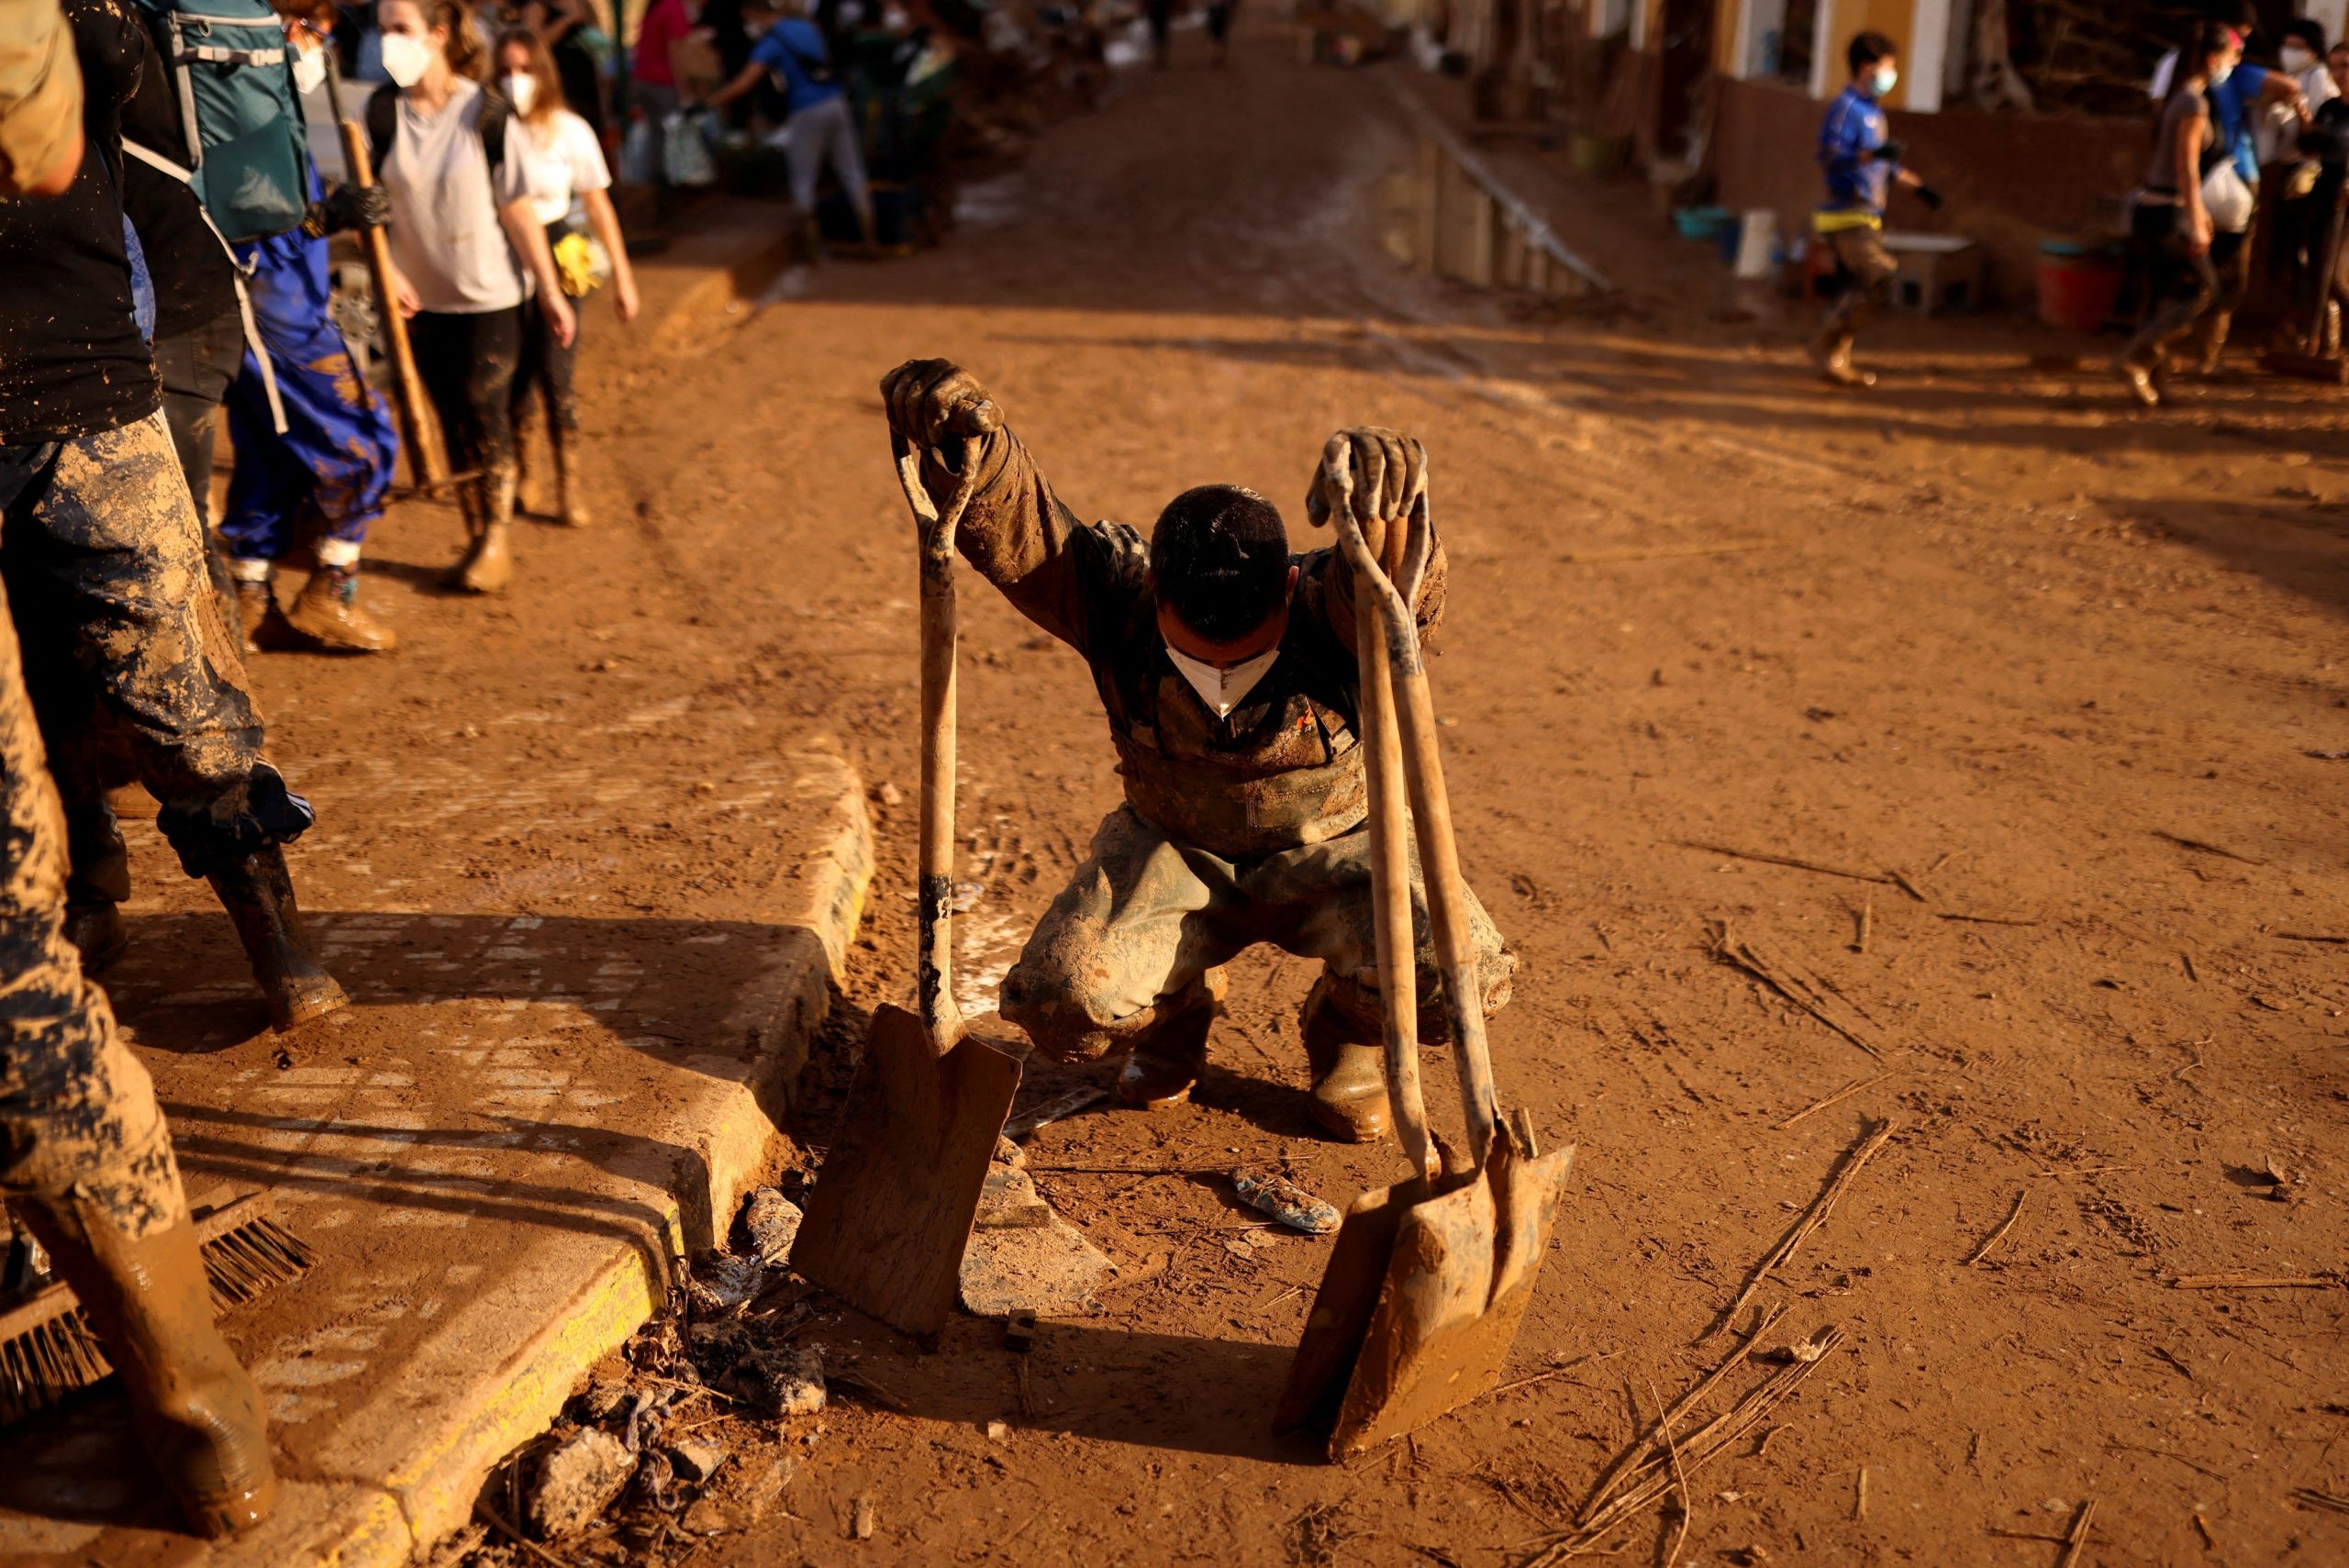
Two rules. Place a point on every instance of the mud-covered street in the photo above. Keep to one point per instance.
(2036, 692)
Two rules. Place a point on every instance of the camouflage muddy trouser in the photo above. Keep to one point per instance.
(105, 566)
(77, 1111)
(1128, 945)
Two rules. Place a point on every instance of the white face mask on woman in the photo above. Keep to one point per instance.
(309, 69)
(2294, 59)
(406, 58)
(521, 90)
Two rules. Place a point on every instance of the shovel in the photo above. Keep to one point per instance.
(1429, 1279)
(892, 1208)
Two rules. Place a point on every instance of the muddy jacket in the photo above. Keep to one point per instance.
(1285, 768)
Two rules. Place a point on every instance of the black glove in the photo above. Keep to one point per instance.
(1890, 153)
(348, 207)
(1930, 196)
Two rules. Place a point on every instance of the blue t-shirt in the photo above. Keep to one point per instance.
(2234, 103)
(1854, 127)
(794, 50)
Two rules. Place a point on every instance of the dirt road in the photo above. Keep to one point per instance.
(2039, 682)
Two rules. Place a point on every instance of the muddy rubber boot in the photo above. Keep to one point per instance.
(2141, 382)
(259, 618)
(487, 565)
(2213, 343)
(327, 614)
(569, 509)
(197, 1410)
(259, 895)
(1166, 1067)
(1349, 1071)
(1832, 352)
(98, 933)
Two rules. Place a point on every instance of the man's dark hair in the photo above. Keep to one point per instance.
(1866, 49)
(1220, 556)
(2309, 30)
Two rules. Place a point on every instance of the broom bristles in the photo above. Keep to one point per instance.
(48, 1352)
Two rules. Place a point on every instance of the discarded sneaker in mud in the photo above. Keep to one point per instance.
(1286, 1202)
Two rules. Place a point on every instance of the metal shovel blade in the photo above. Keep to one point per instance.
(891, 1211)
(1458, 1281)
(1327, 1350)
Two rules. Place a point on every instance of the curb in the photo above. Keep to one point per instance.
(727, 1137)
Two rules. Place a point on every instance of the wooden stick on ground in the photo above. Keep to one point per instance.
(2076, 1541)
(1867, 919)
(1666, 551)
(2205, 847)
(1681, 1406)
(1654, 1478)
(1999, 1234)
(1837, 1098)
(1819, 1000)
(1679, 1480)
(1813, 1216)
(2256, 1281)
(1797, 863)
(2317, 1499)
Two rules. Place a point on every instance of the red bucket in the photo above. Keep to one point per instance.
(2079, 282)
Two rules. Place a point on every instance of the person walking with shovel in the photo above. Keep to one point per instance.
(1226, 668)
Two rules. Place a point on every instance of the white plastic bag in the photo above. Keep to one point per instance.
(2227, 197)
(684, 155)
(640, 153)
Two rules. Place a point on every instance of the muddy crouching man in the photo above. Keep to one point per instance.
(1226, 667)
(84, 1154)
(105, 565)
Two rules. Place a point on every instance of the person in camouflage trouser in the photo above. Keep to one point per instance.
(1226, 669)
(84, 1155)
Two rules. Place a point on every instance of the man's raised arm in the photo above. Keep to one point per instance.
(1015, 533)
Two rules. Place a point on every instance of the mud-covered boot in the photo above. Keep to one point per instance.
(98, 933)
(1349, 1071)
(259, 620)
(327, 614)
(1832, 352)
(570, 507)
(1165, 1066)
(2139, 379)
(2210, 343)
(259, 895)
(197, 1410)
(488, 566)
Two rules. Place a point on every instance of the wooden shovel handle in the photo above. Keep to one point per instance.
(934, 896)
(1455, 944)
(428, 464)
(1390, 855)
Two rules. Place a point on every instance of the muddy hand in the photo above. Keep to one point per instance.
(1373, 472)
(939, 405)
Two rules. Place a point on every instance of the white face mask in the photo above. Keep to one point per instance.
(1886, 79)
(406, 58)
(2295, 59)
(1222, 690)
(309, 69)
(521, 90)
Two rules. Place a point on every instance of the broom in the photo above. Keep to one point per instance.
(48, 1352)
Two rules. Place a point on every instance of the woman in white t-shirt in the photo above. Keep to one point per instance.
(471, 254)
(562, 164)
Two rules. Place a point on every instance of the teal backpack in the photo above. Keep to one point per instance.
(233, 74)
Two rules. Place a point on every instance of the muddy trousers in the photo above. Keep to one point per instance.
(547, 375)
(1127, 948)
(77, 1112)
(468, 362)
(104, 564)
(1870, 269)
(329, 472)
(2180, 285)
(2230, 279)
